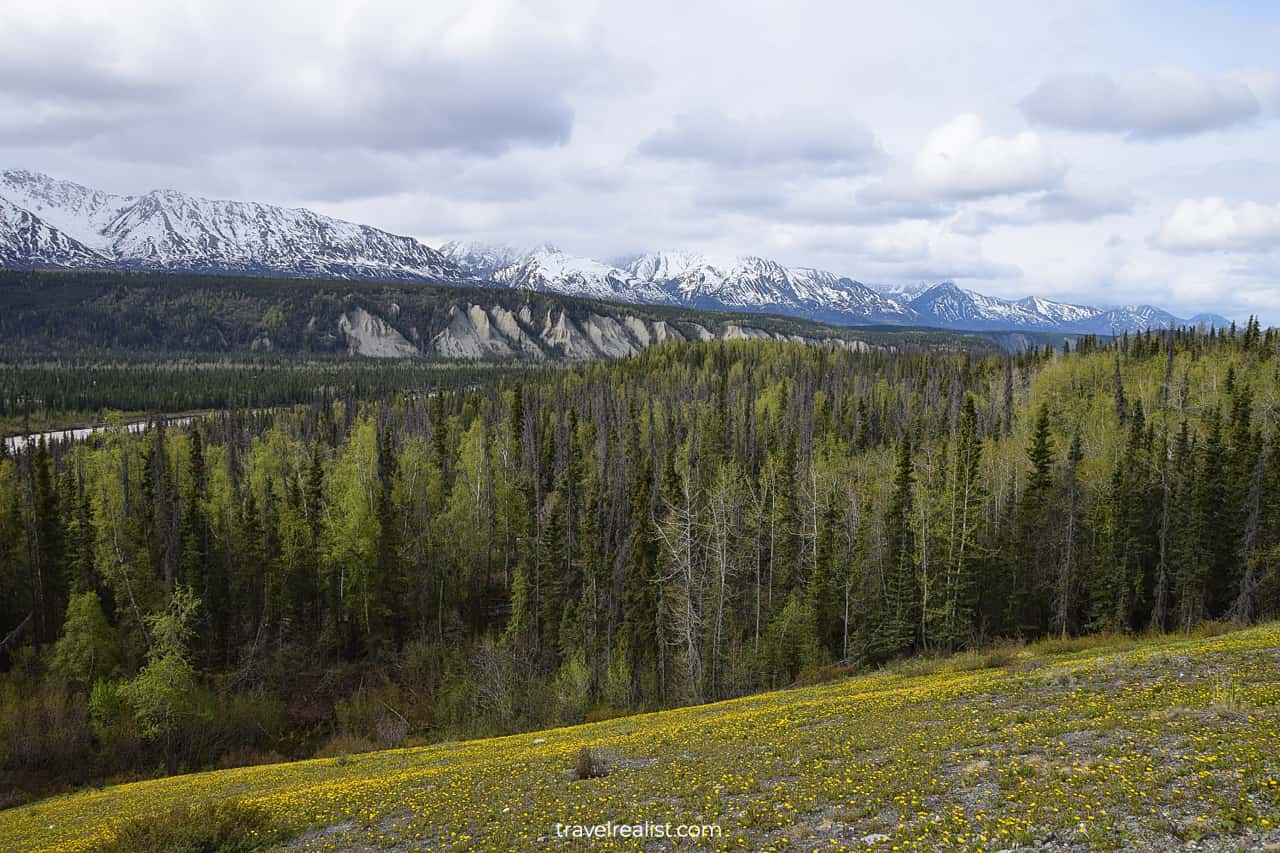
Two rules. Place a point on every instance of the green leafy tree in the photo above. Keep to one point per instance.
(89, 648)
(163, 694)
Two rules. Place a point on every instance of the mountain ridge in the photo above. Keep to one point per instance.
(47, 222)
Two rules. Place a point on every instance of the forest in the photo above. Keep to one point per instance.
(113, 315)
(43, 395)
(696, 522)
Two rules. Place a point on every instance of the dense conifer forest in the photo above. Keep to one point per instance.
(696, 522)
(45, 395)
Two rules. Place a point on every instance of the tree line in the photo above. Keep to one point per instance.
(36, 394)
(696, 522)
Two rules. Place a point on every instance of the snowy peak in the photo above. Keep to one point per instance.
(1060, 312)
(478, 257)
(949, 306)
(26, 241)
(48, 222)
(1132, 318)
(1207, 320)
(171, 230)
(955, 306)
(78, 211)
(749, 283)
(547, 268)
(660, 266)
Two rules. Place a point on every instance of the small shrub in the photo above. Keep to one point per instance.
(247, 758)
(572, 688)
(229, 827)
(823, 674)
(921, 665)
(999, 657)
(341, 745)
(1212, 629)
(1054, 646)
(45, 732)
(371, 714)
(585, 765)
(1227, 697)
(606, 712)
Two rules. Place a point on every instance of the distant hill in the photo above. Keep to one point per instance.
(44, 312)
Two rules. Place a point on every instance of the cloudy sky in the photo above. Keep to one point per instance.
(1094, 151)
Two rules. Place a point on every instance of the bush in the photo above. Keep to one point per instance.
(229, 827)
(572, 690)
(791, 642)
(1213, 629)
(996, 657)
(601, 713)
(372, 714)
(585, 765)
(1071, 645)
(46, 730)
(118, 733)
(823, 674)
(248, 722)
(1000, 656)
(247, 758)
(340, 746)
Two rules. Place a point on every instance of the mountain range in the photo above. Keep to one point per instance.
(48, 223)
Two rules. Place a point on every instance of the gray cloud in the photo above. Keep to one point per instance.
(871, 205)
(183, 96)
(1154, 104)
(1052, 206)
(714, 138)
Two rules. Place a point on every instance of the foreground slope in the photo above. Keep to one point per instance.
(1152, 744)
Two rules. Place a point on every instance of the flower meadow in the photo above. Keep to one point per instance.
(1116, 744)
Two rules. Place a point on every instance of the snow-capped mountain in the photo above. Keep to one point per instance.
(954, 307)
(27, 241)
(759, 284)
(684, 278)
(1206, 320)
(50, 223)
(948, 306)
(169, 230)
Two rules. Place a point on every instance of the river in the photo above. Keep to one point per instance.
(17, 443)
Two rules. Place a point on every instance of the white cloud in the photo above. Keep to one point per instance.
(1215, 224)
(1265, 86)
(960, 160)
(1153, 104)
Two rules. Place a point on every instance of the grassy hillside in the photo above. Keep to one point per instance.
(1110, 743)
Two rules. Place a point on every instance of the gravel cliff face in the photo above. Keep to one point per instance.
(479, 331)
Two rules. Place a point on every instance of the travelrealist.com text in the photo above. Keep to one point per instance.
(645, 829)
